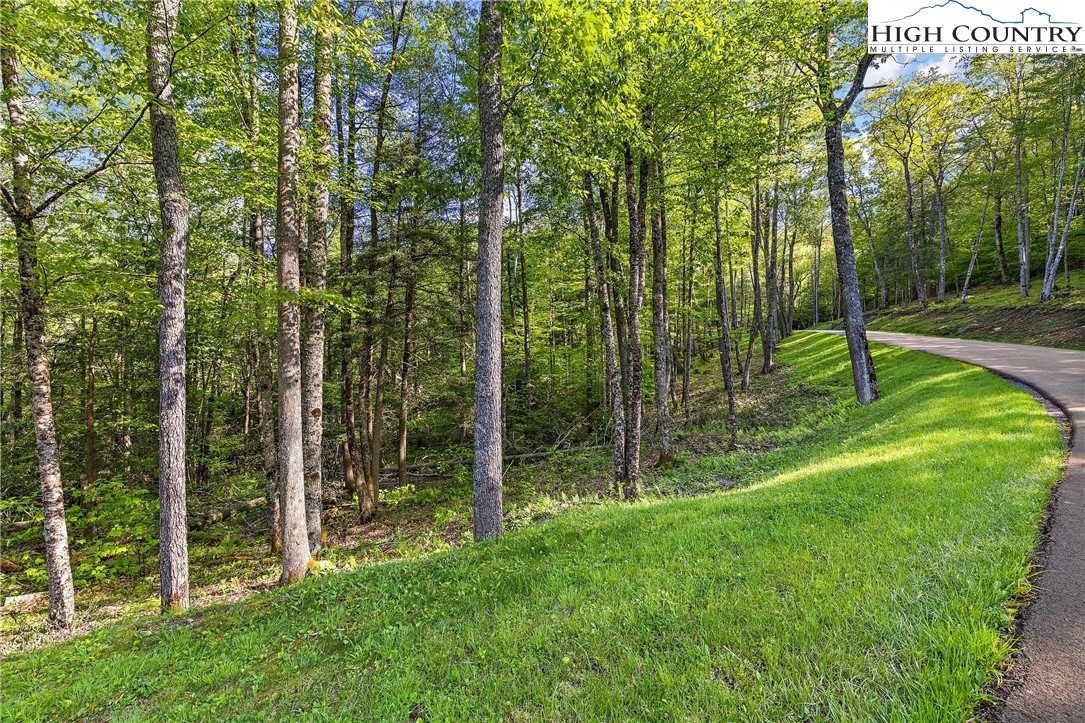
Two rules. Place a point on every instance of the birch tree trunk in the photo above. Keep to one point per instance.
(488, 518)
(1051, 271)
(316, 273)
(296, 555)
(172, 269)
(57, 562)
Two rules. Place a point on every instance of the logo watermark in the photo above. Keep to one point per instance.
(976, 26)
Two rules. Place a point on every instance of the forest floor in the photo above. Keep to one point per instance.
(231, 560)
(860, 563)
(995, 313)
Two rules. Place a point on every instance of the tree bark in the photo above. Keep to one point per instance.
(90, 442)
(862, 366)
(768, 338)
(940, 210)
(1051, 270)
(1004, 273)
(661, 333)
(636, 192)
(614, 375)
(724, 325)
(913, 259)
(173, 261)
(315, 274)
(296, 555)
(488, 518)
(57, 562)
(975, 247)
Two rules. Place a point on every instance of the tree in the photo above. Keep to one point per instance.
(834, 111)
(296, 554)
(488, 521)
(172, 270)
(315, 276)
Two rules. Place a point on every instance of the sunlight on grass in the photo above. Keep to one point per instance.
(865, 576)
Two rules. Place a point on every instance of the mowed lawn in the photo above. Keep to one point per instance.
(867, 576)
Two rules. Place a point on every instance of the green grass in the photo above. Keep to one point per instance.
(996, 313)
(867, 575)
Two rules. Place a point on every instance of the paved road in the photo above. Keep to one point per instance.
(1052, 662)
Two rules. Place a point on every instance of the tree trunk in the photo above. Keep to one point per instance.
(1019, 213)
(940, 210)
(862, 366)
(768, 338)
(265, 393)
(614, 376)
(1004, 273)
(355, 471)
(524, 310)
(315, 274)
(173, 261)
(1051, 271)
(755, 248)
(376, 435)
(296, 555)
(724, 326)
(57, 562)
(687, 326)
(404, 370)
(636, 193)
(91, 468)
(661, 333)
(488, 518)
(920, 284)
(372, 419)
(975, 247)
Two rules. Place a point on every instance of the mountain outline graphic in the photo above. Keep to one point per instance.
(987, 15)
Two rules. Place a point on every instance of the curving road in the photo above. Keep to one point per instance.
(1051, 665)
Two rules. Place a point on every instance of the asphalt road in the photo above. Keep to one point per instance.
(1051, 665)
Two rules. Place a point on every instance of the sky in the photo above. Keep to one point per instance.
(905, 66)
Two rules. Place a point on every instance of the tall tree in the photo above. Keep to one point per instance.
(296, 554)
(19, 204)
(661, 333)
(172, 270)
(488, 520)
(315, 275)
(833, 112)
(613, 369)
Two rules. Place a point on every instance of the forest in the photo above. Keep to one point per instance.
(311, 271)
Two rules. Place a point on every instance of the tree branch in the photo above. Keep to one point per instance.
(856, 85)
(91, 173)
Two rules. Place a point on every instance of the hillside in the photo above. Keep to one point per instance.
(993, 314)
(867, 568)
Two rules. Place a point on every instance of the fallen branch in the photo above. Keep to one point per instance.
(507, 459)
(9, 566)
(198, 523)
(26, 601)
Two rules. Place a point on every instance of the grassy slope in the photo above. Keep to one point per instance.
(995, 314)
(865, 577)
